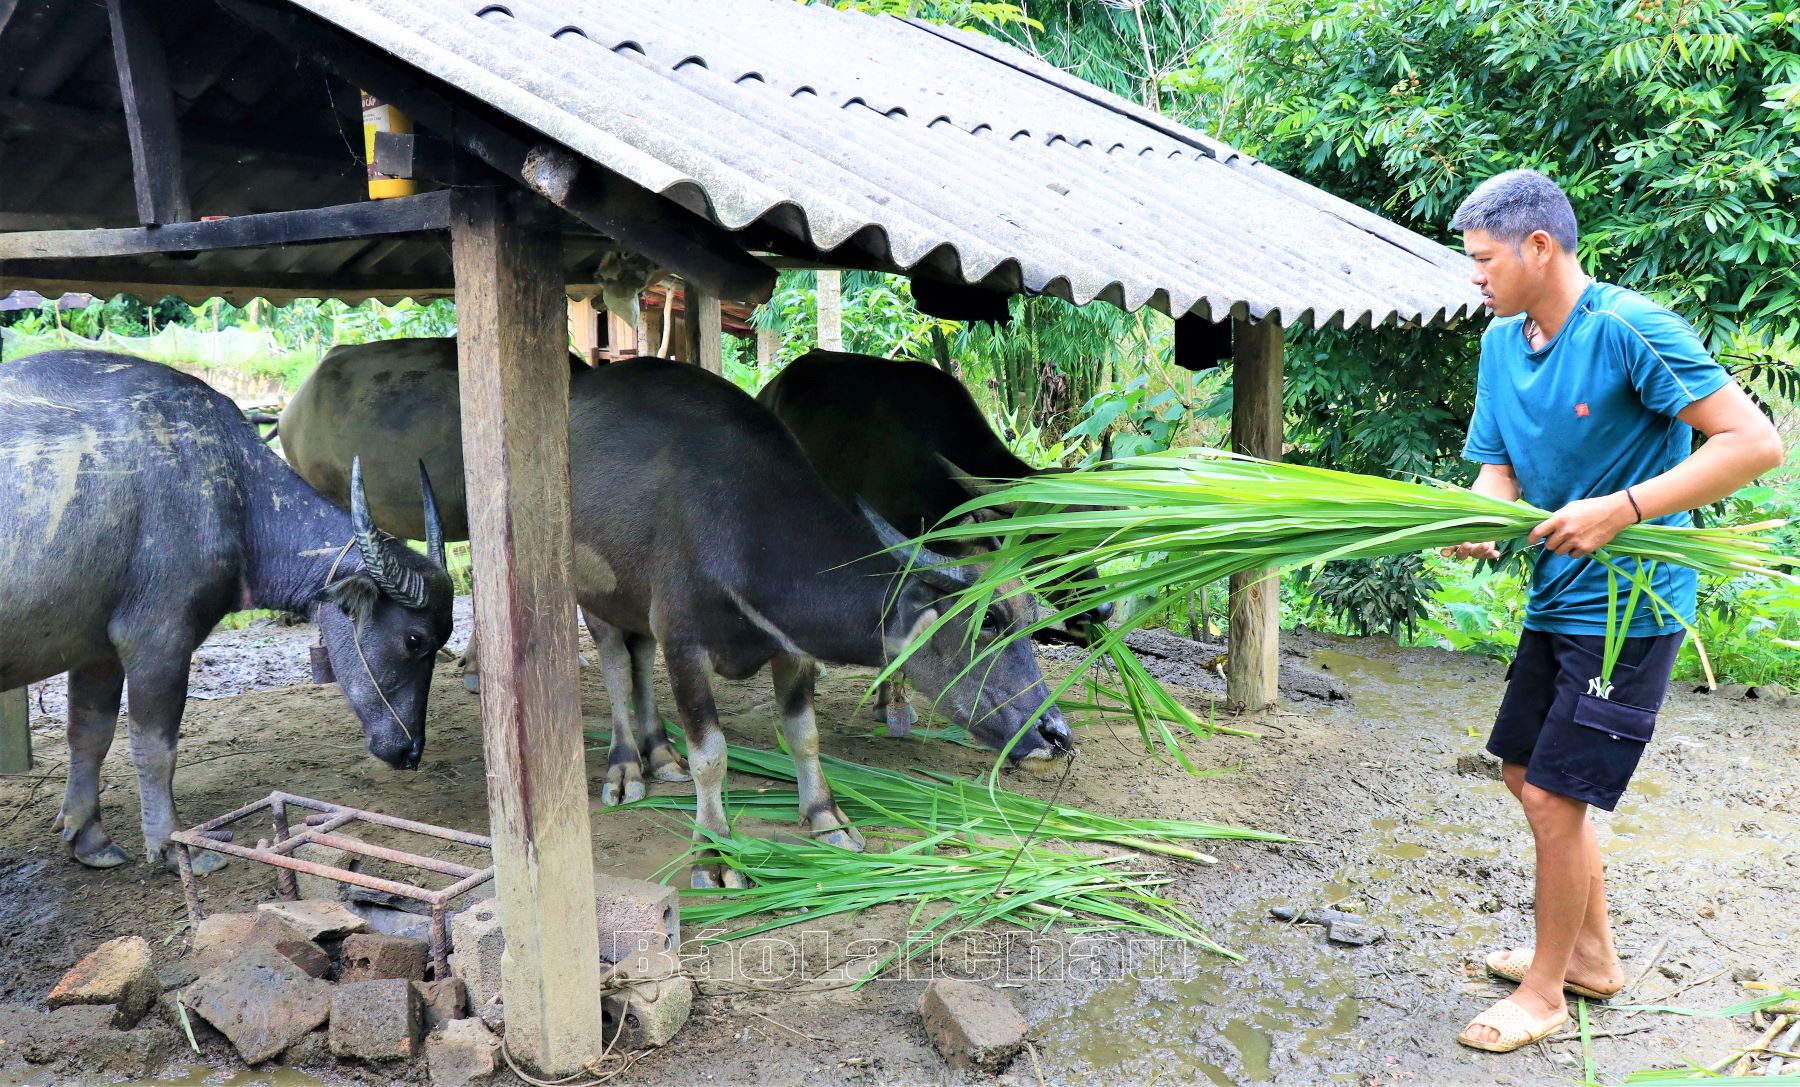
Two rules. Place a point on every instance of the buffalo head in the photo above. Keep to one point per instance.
(384, 624)
(997, 698)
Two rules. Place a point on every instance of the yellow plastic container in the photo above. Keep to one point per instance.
(378, 116)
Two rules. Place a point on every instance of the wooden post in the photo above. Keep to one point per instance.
(15, 732)
(1253, 639)
(515, 395)
(831, 309)
(767, 340)
(621, 337)
(705, 338)
(584, 329)
(149, 114)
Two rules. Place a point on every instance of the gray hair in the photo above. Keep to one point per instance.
(1514, 205)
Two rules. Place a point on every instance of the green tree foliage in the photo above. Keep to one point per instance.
(1673, 124)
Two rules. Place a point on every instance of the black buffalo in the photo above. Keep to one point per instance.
(137, 508)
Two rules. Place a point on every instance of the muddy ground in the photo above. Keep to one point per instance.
(1402, 825)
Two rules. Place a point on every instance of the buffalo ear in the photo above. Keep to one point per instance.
(355, 596)
(915, 609)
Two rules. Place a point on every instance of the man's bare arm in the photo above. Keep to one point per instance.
(1740, 445)
(1495, 481)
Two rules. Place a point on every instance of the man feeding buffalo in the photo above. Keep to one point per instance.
(1586, 404)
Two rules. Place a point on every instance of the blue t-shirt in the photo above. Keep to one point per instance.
(1589, 414)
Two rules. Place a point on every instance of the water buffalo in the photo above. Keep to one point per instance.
(905, 437)
(399, 396)
(700, 525)
(137, 508)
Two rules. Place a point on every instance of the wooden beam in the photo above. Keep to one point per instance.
(15, 732)
(1252, 643)
(75, 124)
(830, 297)
(427, 158)
(149, 114)
(401, 215)
(705, 340)
(692, 246)
(103, 280)
(513, 357)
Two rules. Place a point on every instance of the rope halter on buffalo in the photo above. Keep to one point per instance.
(320, 828)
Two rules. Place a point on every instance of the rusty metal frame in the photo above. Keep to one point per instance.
(326, 818)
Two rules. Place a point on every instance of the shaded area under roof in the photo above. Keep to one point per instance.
(923, 149)
(865, 141)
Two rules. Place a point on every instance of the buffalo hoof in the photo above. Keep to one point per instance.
(844, 837)
(109, 855)
(204, 861)
(624, 785)
(712, 877)
(900, 718)
(672, 770)
(472, 682)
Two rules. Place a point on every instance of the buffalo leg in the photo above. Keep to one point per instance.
(471, 659)
(624, 772)
(891, 706)
(158, 696)
(819, 813)
(688, 667)
(94, 691)
(652, 737)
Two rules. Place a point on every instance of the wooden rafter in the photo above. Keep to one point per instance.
(149, 114)
(404, 215)
(695, 248)
(34, 117)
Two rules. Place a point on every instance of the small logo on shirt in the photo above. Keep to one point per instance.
(1599, 688)
(1581, 410)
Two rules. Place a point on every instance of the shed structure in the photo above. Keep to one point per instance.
(212, 147)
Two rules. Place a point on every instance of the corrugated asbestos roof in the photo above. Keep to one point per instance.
(930, 149)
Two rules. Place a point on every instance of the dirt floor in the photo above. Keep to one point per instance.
(1403, 825)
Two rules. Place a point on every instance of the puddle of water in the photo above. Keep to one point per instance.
(1220, 1028)
(1406, 851)
(1349, 666)
(200, 1075)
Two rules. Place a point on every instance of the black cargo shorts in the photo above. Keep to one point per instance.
(1575, 735)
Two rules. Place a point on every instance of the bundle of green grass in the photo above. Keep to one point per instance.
(1211, 514)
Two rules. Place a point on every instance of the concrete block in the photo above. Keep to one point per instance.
(393, 922)
(204, 1033)
(635, 915)
(315, 919)
(475, 933)
(376, 1020)
(261, 1002)
(371, 956)
(492, 1014)
(464, 1052)
(81, 1038)
(972, 1025)
(220, 938)
(444, 1001)
(318, 887)
(312, 1051)
(119, 973)
(646, 999)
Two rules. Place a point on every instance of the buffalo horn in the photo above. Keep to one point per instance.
(434, 525)
(381, 553)
(978, 487)
(938, 571)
